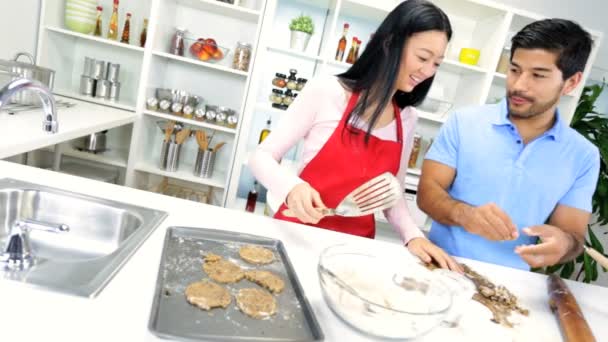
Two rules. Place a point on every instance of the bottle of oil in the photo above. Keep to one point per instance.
(113, 27)
(264, 133)
(342, 44)
(252, 198)
(126, 31)
(144, 34)
(98, 22)
(351, 58)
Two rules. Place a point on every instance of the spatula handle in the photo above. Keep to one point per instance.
(326, 212)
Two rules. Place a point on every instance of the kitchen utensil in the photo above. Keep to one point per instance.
(30, 71)
(169, 130)
(173, 153)
(563, 304)
(358, 284)
(204, 164)
(172, 317)
(201, 139)
(597, 256)
(379, 193)
(182, 135)
(218, 146)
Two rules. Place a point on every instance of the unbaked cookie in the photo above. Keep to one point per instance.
(256, 255)
(222, 270)
(207, 295)
(266, 279)
(256, 303)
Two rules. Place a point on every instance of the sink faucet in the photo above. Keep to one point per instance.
(18, 252)
(48, 101)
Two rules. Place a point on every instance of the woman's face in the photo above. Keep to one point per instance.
(422, 55)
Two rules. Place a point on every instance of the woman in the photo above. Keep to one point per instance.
(358, 125)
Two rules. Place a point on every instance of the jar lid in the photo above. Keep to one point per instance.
(280, 75)
(288, 92)
(293, 71)
(302, 80)
(247, 45)
(277, 91)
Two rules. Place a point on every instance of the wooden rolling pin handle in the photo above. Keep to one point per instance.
(564, 306)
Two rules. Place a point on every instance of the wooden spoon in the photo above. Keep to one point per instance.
(182, 136)
(218, 146)
(169, 130)
(201, 139)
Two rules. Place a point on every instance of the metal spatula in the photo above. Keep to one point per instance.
(378, 193)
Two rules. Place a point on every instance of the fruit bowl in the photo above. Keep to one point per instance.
(206, 50)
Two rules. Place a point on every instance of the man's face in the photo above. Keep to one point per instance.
(534, 83)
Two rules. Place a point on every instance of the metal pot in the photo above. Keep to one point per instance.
(30, 71)
(95, 142)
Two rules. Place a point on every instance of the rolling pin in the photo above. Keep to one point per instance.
(571, 320)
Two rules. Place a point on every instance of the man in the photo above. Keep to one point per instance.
(500, 177)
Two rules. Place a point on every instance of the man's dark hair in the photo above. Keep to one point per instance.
(567, 39)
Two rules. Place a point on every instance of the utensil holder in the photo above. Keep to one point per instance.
(205, 161)
(169, 156)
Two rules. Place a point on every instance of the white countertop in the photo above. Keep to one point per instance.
(122, 310)
(22, 132)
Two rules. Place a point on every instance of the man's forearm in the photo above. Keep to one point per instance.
(440, 206)
(575, 247)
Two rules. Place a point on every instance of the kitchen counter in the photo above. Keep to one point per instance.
(22, 132)
(121, 311)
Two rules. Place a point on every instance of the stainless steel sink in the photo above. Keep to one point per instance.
(103, 235)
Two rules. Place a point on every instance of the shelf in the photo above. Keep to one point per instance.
(114, 156)
(266, 107)
(95, 39)
(185, 173)
(500, 75)
(190, 121)
(201, 63)
(120, 104)
(430, 116)
(339, 64)
(372, 10)
(293, 53)
(460, 68)
(222, 8)
(416, 172)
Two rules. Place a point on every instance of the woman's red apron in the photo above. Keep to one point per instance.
(344, 163)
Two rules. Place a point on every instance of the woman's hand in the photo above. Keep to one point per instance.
(428, 252)
(304, 202)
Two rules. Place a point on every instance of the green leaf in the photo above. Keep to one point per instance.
(588, 269)
(553, 269)
(595, 243)
(567, 270)
(594, 273)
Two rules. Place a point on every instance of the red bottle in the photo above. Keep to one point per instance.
(252, 198)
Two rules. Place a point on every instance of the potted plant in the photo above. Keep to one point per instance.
(593, 126)
(302, 28)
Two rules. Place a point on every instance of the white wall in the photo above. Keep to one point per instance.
(19, 26)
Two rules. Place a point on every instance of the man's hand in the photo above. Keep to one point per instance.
(428, 252)
(489, 221)
(555, 245)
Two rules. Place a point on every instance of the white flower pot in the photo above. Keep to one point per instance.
(299, 40)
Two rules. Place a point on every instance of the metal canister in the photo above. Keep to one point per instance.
(114, 91)
(87, 85)
(113, 71)
(99, 69)
(102, 90)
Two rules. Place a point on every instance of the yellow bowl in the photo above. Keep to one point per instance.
(469, 56)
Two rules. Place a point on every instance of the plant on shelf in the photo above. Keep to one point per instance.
(302, 28)
(593, 126)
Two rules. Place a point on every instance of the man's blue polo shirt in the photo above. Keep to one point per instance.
(527, 182)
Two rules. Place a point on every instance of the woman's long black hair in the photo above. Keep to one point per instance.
(375, 72)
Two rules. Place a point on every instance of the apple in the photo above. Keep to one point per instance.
(204, 55)
(218, 54)
(210, 46)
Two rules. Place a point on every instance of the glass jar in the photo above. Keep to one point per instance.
(276, 96)
(504, 61)
(288, 99)
(242, 56)
(232, 120)
(211, 113)
(415, 151)
(292, 81)
(301, 83)
(176, 108)
(199, 114)
(220, 118)
(188, 111)
(280, 80)
(177, 42)
(152, 103)
(164, 106)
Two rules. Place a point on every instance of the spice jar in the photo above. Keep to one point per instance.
(288, 99)
(276, 96)
(176, 108)
(152, 103)
(188, 111)
(280, 80)
(232, 120)
(211, 113)
(292, 82)
(301, 83)
(177, 42)
(164, 106)
(199, 114)
(242, 56)
(220, 118)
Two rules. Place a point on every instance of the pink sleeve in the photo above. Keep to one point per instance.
(294, 125)
(399, 215)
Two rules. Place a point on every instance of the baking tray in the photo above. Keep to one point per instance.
(181, 264)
